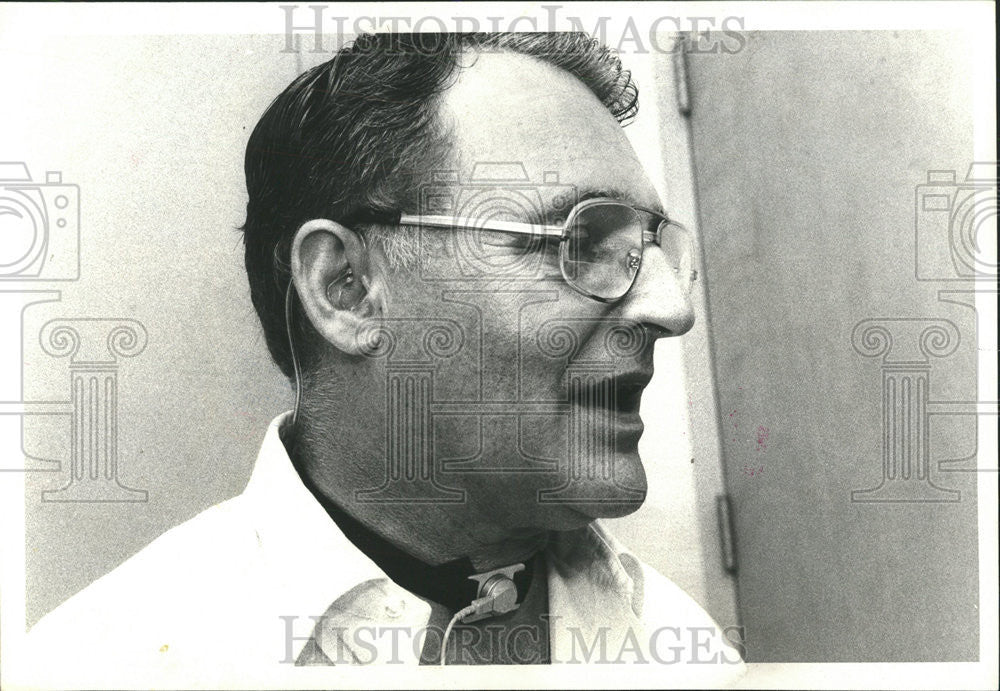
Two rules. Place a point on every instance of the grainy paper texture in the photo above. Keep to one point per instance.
(625, 345)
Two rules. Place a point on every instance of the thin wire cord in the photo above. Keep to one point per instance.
(289, 293)
(459, 616)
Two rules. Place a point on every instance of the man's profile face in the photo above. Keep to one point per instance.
(534, 387)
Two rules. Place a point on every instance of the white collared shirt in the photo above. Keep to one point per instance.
(233, 594)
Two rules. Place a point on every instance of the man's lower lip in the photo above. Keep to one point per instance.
(628, 418)
(628, 429)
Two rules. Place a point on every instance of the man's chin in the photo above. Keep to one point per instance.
(610, 509)
(613, 497)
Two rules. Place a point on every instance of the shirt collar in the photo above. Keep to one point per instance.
(309, 560)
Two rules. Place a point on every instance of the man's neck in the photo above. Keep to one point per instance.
(442, 579)
(447, 584)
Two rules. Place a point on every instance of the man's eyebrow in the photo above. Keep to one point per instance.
(553, 214)
(608, 193)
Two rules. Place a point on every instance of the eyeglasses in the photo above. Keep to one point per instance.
(601, 244)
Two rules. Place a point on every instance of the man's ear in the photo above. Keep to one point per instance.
(331, 273)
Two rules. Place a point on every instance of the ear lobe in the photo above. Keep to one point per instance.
(329, 265)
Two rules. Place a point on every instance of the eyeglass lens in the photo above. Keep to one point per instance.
(602, 252)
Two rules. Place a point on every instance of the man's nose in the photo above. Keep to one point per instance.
(658, 298)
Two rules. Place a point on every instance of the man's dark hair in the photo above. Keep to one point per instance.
(356, 136)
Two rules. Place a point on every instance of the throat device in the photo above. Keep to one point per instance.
(496, 594)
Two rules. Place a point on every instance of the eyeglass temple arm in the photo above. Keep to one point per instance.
(445, 222)
(461, 222)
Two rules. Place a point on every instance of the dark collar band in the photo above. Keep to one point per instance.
(446, 584)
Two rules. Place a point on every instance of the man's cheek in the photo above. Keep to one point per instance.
(527, 443)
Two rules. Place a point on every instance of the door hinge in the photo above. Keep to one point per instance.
(727, 535)
(681, 76)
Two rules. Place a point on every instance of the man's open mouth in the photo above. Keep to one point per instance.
(620, 392)
(628, 389)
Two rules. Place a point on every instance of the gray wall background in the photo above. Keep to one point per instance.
(808, 149)
(153, 131)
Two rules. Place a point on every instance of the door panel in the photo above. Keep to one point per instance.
(810, 149)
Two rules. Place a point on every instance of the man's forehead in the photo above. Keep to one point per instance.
(513, 108)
